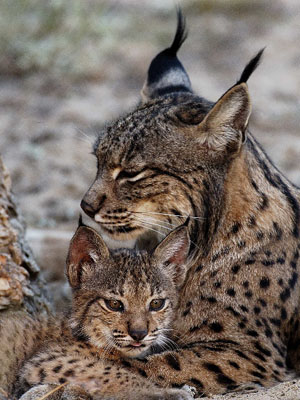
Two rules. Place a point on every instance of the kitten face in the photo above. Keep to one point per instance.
(125, 300)
(129, 311)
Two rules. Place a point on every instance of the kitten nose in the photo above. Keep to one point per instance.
(138, 335)
(88, 209)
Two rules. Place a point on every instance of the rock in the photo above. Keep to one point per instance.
(20, 283)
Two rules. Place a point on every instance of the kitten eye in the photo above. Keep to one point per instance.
(157, 304)
(114, 305)
(131, 176)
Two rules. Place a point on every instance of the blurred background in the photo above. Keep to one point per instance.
(69, 66)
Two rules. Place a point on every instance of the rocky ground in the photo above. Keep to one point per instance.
(59, 85)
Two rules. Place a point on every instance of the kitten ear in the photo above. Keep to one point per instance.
(224, 126)
(87, 250)
(166, 74)
(172, 253)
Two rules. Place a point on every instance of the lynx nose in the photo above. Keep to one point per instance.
(138, 335)
(88, 209)
(90, 205)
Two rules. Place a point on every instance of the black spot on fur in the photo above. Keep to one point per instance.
(173, 361)
(234, 364)
(293, 264)
(241, 354)
(268, 332)
(262, 302)
(293, 280)
(257, 310)
(212, 300)
(235, 269)
(259, 235)
(216, 327)
(142, 373)
(278, 231)
(262, 350)
(126, 364)
(280, 260)
(264, 283)
(235, 228)
(220, 376)
(199, 268)
(252, 332)
(197, 383)
(57, 368)
(264, 202)
(233, 311)
(275, 322)
(285, 294)
(230, 292)
(283, 314)
(244, 308)
(257, 374)
(69, 372)
(279, 364)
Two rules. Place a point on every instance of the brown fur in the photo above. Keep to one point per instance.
(113, 318)
(179, 155)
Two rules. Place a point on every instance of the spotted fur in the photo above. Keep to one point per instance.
(122, 307)
(178, 154)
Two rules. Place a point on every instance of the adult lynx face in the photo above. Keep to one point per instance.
(168, 158)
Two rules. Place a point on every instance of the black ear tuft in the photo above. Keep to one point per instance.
(180, 35)
(166, 74)
(250, 67)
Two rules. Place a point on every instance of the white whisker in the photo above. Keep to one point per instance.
(150, 229)
(153, 224)
(170, 215)
(89, 139)
(160, 221)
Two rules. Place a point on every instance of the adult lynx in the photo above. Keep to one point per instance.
(178, 154)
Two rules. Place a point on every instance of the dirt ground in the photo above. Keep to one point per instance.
(49, 117)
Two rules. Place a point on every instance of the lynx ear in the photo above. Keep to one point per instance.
(166, 74)
(224, 126)
(87, 252)
(172, 253)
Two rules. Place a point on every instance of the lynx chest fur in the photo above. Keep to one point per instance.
(176, 155)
